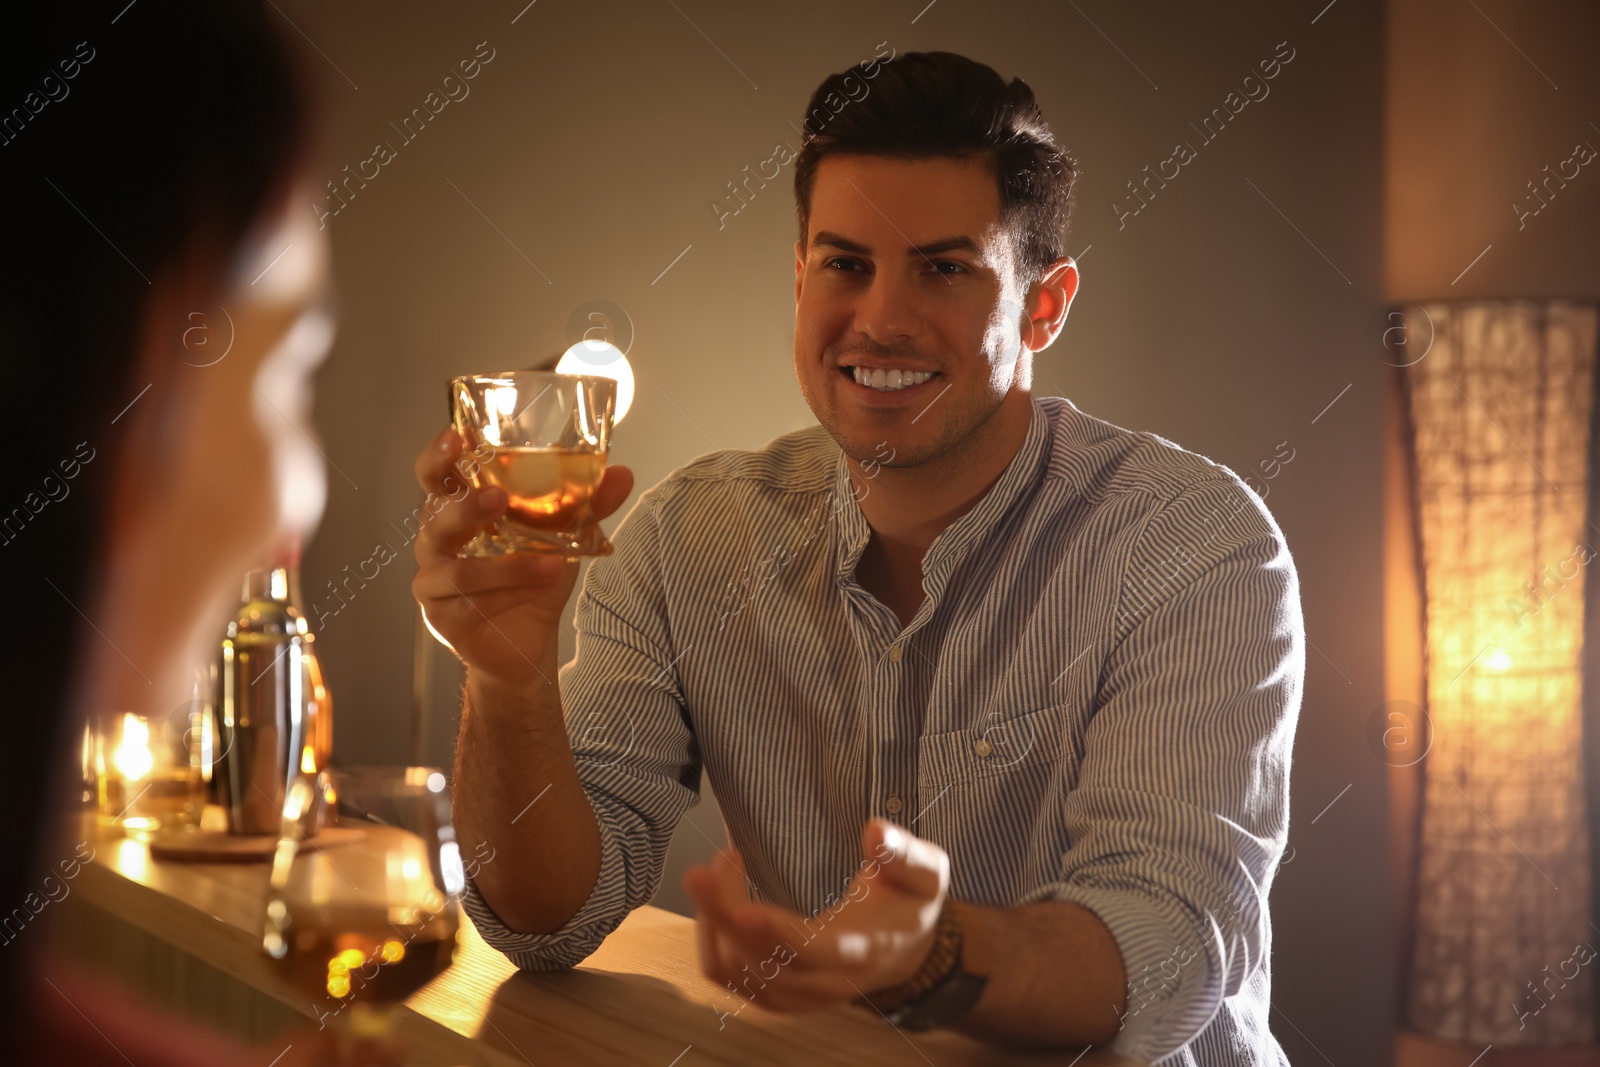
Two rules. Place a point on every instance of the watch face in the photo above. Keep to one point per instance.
(944, 1004)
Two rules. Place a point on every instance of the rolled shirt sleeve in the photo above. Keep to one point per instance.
(631, 741)
(1180, 815)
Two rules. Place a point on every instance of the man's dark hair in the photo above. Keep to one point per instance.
(939, 105)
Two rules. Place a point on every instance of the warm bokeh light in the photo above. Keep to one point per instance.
(605, 360)
(132, 758)
(133, 859)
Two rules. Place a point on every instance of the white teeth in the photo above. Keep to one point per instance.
(889, 381)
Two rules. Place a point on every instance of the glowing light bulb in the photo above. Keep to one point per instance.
(605, 360)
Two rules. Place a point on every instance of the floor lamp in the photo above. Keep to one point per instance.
(1500, 409)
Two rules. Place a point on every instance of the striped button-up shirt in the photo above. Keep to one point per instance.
(1095, 702)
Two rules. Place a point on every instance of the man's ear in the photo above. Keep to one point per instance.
(799, 268)
(1049, 299)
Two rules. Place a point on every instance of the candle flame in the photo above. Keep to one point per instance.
(132, 758)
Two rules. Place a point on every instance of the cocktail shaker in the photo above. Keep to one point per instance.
(261, 706)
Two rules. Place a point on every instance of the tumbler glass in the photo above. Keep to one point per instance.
(543, 438)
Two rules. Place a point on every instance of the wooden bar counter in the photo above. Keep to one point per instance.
(187, 935)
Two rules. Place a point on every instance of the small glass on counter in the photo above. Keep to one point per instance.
(148, 772)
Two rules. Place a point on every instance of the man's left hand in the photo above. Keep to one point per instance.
(876, 936)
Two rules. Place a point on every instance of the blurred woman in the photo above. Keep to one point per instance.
(162, 311)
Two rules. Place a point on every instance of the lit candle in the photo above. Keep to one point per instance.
(145, 788)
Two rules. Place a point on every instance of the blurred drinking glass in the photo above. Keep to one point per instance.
(364, 925)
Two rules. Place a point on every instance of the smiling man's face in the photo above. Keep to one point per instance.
(907, 269)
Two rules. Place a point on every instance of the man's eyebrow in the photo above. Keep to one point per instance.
(959, 243)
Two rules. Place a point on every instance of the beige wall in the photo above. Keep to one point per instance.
(1227, 316)
(1477, 109)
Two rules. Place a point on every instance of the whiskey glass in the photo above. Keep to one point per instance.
(543, 438)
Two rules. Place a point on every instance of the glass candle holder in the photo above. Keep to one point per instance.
(148, 774)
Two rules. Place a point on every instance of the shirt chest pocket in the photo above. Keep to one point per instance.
(1030, 744)
(991, 795)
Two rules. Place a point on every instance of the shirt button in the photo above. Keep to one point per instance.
(982, 747)
(895, 653)
(893, 805)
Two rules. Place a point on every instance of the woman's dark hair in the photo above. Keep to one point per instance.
(131, 134)
(937, 105)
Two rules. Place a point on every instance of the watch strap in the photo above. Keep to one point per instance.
(950, 979)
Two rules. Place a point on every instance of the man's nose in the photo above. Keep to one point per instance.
(889, 310)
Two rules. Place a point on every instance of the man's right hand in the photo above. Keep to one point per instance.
(501, 614)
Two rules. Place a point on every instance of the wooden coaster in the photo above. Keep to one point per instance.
(218, 846)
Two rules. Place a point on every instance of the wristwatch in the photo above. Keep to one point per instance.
(950, 979)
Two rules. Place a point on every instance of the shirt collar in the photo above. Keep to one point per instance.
(951, 546)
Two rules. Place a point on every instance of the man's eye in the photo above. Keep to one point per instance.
(956, 268)
(840, 263)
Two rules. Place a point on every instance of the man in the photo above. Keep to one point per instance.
(997, 698)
